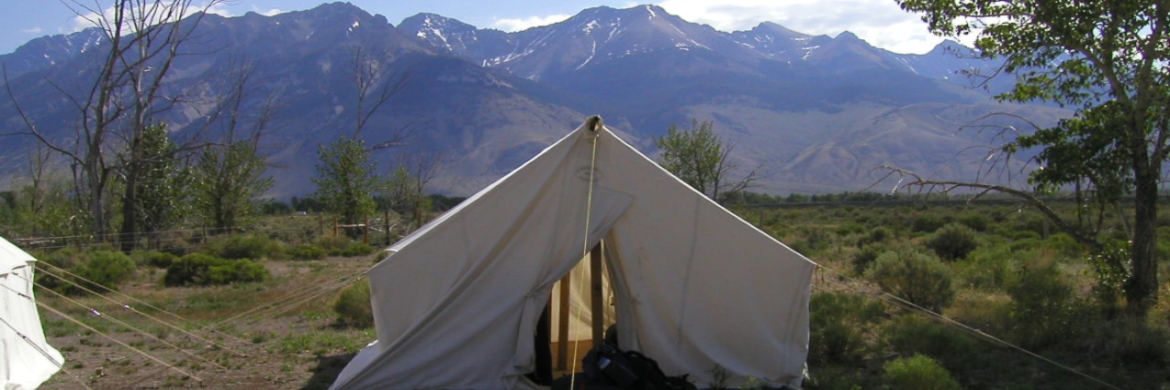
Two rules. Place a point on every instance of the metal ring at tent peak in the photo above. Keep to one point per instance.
(593, 125)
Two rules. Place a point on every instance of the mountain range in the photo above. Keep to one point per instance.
(815, 113)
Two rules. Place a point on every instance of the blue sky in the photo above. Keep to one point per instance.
(880, 22)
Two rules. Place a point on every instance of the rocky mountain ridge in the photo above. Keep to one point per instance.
(816, 113)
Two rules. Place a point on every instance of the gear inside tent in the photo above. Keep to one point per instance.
(26, 358)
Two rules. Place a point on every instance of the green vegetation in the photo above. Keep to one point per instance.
(1011, 277)
(353, 306)
(199, 269)
(918, 372)
(699, 157)
(1107, 61)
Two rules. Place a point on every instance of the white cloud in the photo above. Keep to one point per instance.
(271, 12)
(529, 22)
(88, 17)
(34, 30)
(879, 22)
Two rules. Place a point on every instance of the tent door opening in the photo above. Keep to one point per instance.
(580, 310)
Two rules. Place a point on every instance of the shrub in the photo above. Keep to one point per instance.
(242, 270)
(953, 242)
(916, 277)
(1064, 245)
(838, 324)
(306, 252)
(1044, 308)
(849, 228)
(927, 223)
(989, 268)
(107, 268)
(154, 258)
(910, 334)
(201, 269)
(246, 247)
(918, 372)
(353, 250)
(876, 236)
(1130, 341)
(865, 257)
(976, 221)
(353, 306)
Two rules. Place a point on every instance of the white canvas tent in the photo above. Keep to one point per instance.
(457, 302)
(26, 359)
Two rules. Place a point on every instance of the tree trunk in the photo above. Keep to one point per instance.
(1142, 289)
(128, 238)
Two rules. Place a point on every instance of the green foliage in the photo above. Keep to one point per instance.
(274, 207)
(918, 372)
(341, 246)
(876, 236)
(1065, 246)
(910, 334)
(865, 257)
(838, 325)
(916, 277)
(199, 269)
(353, 306)
(159, 196)
(238, 271)
(306, 252)
(1107, 59)
(153, 258)
(227, 182)
(953, 242)
(106, 268)
(346, 179)
(927, 223)
(1110, 273)
(1044, 307)
(816, 239)
(699, 157)
(246, 247)
(1129, 341)
(989, 268)
(975, 220)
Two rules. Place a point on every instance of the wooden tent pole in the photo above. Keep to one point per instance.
(563, 325)
(597, 300)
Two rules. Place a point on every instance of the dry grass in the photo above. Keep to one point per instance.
(270, 335)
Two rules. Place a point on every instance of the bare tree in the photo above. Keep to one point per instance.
(143, 39)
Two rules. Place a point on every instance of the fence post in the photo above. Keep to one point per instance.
(366, 231)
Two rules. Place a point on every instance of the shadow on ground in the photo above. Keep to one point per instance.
(328, 367)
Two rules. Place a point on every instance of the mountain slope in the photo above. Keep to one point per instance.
(816, 113)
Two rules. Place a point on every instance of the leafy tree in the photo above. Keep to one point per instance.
(228, 181)
(405, 188)
(1107, 59)
(699, 157)
(346, 179)
(160, 187)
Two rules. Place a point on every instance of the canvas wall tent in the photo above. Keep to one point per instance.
(26, 359)
(456, 303)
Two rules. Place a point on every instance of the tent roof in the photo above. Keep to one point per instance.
(12, 257)
(697, 288)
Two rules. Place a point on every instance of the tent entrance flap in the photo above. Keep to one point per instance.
(574, 324)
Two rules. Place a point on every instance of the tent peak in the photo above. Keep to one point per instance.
(593, 125)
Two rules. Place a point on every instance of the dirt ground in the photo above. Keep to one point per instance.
(279, 334)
